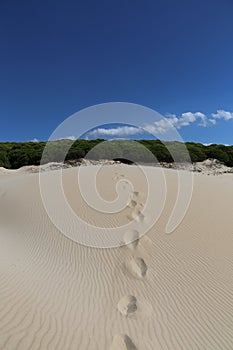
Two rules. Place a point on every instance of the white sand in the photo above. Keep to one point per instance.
(56, 294)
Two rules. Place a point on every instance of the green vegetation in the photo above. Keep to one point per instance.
(14, 155)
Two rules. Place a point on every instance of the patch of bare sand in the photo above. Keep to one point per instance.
(58, 294)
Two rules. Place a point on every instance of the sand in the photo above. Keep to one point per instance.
(161, 292)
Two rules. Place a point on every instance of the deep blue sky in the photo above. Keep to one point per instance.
(58, 57)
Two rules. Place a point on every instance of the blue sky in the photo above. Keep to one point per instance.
(58, 57)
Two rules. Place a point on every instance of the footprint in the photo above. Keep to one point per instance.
(127, 305)
(118, 176)
(122, 342)
(2, 192)
(141, 205)
(125, 184)
(132, 204)
(138, 267)
(131, 238)
(137, 215)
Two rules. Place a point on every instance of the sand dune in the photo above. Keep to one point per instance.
(161, 292)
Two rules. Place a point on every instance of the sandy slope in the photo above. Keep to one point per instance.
(163, 292)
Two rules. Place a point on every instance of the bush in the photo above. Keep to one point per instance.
(14, 155)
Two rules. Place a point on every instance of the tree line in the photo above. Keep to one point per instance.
(14, 155)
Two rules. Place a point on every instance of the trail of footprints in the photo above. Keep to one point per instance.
(137, 207)
(136, 266)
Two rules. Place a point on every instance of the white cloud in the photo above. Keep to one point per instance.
(73, 138)
(208, 144)
(203, 119)
(163, 125)
(212, 121)
(221, 114)
(159, 127)
(187, 118)
(121, 131)
(34, 140)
